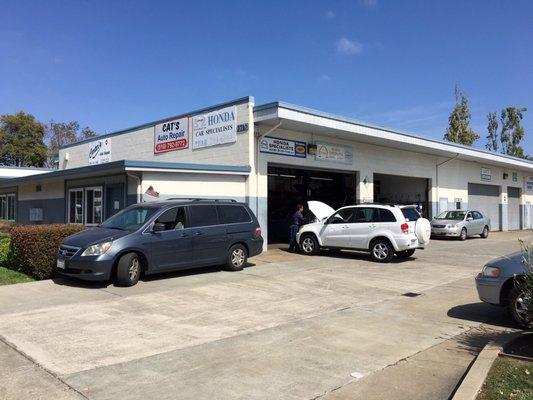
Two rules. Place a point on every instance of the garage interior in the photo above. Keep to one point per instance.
(288, 187)
(398, 189)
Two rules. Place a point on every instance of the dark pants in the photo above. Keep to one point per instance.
(292, 238)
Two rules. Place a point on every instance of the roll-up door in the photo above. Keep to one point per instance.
(485, 198)
(513, 207)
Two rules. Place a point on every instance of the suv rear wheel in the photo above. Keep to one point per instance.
(381, 251)
(237, 257)
(128, 269)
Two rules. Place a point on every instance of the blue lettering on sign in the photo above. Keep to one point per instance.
(94, 151)
(222, 117)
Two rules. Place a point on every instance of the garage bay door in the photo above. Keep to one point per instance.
(485, 198)
(513, 207)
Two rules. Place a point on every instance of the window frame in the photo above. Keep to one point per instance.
(375, 215)
(71, 190)
(86, 213)
(232, 223)
(185, 214)
(4, 206)
(329, 220)
(189, 215)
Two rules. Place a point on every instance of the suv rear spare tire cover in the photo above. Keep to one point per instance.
(423, 230)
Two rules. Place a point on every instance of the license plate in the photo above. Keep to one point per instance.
(61, 264)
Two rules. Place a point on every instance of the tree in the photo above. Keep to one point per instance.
(22, 140)
(459, 130)
(492, 128)
(512, 132)
(86, 133)
(59, 134)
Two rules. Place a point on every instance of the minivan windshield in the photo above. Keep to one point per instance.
(129, 219)
(455, 215)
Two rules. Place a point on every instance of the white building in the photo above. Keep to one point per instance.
(272, 157)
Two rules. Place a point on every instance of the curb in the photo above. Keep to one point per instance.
(472, 382)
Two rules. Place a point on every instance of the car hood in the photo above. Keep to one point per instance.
(445, 221)
(94, 235)
(321, 210)
(511, 264)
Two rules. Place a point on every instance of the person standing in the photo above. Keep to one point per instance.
(297, 221)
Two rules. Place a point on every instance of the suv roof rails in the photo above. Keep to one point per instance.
(203, 199)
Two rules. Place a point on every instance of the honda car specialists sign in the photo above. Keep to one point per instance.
(100, 151)
(214, 128)
(171, 135)
(284, 147)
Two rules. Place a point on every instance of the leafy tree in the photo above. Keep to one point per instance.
(22, 140)
(86, 133)
(459, 130)
(492, 127)
(60, 134)
(512, 132)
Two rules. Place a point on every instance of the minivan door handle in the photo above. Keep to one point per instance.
(184, 235)
(198, 233)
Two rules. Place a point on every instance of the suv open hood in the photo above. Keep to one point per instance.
(321, 210)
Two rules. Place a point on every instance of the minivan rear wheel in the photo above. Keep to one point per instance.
(237, 257)
(129, 269)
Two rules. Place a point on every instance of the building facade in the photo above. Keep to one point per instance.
(272, 157)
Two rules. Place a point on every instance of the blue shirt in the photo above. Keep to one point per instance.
(298, 218)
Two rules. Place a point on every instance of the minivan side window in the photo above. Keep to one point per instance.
(233, 214)
(172, 219)
(202, 215)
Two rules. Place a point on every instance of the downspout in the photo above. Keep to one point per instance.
(437, 173)
(258, 137)
(138, 191)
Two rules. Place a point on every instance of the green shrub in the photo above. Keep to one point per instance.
(34, 247)
(5, 227)
(5, 242)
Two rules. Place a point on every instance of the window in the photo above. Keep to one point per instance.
(344, 216)
(477, 215)
(7, 206)
(203, 215)
(410, 214)
(366, 215)
(173, 219)
(386, 215)
(469, 215)
(93, 206)
(233, 214)
(75, 206)
(130, 219)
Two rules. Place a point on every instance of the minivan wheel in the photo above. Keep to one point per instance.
(463, 234)
(485, 233)
(518, 306)
(405, 253)
(309, 245)
(128, 269)
(381, 251)
(237, 256)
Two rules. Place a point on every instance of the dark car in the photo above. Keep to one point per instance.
(163, 236)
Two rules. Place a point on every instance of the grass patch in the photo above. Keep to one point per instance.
(8, 277)
(508, 378)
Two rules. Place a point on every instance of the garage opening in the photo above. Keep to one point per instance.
(398, 189)
(513, 208)
(289, 186)
(486, 199)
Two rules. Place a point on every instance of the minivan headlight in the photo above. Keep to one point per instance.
(492, 272)
(97, 249)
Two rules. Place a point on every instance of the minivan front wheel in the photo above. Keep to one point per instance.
(129, 269)
(237, 257)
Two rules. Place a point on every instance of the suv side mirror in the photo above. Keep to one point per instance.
(158, 227)
(470, 219)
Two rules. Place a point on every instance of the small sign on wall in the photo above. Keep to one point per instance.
(529, 184)
(100, 151)
(283, 147)
(486, 174)
(334, 153)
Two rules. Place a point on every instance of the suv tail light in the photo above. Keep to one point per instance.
(405, 227)
(257, 232)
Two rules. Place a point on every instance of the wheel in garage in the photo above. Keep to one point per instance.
(381, 251)
(129, 269)
(309, 245)
(485, 233)
(518, 306)
(237, 257)
(405, 253)
(463, 234)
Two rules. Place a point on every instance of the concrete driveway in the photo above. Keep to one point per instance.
(288, 327)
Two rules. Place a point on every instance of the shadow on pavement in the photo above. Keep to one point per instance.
(484, 313)
(349, 254)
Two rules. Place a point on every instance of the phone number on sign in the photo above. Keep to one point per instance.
(169, 146)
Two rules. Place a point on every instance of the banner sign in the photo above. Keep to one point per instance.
(486, 174)
(334, 153)
(529, 184)
(100, 151)
(171, 135)
(283, 147)
(214, 128)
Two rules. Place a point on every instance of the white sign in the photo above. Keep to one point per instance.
(283, 147)
(214, 128)
(171, 135)
(486, 174)
(334, 153)
(100, 151)
(529, 184)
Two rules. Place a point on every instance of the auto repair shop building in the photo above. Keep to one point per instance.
(271, 156)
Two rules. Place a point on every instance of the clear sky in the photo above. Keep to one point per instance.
(115, 64)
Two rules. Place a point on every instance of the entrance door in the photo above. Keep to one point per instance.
(114, 199)
(513, 208)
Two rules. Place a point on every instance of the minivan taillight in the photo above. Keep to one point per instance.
(405, 228)
(257, 232)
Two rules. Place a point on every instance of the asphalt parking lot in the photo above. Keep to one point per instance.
(288, 326)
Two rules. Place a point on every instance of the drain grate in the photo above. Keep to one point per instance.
(411, 294)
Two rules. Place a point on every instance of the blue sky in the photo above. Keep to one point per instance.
(115, 64)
